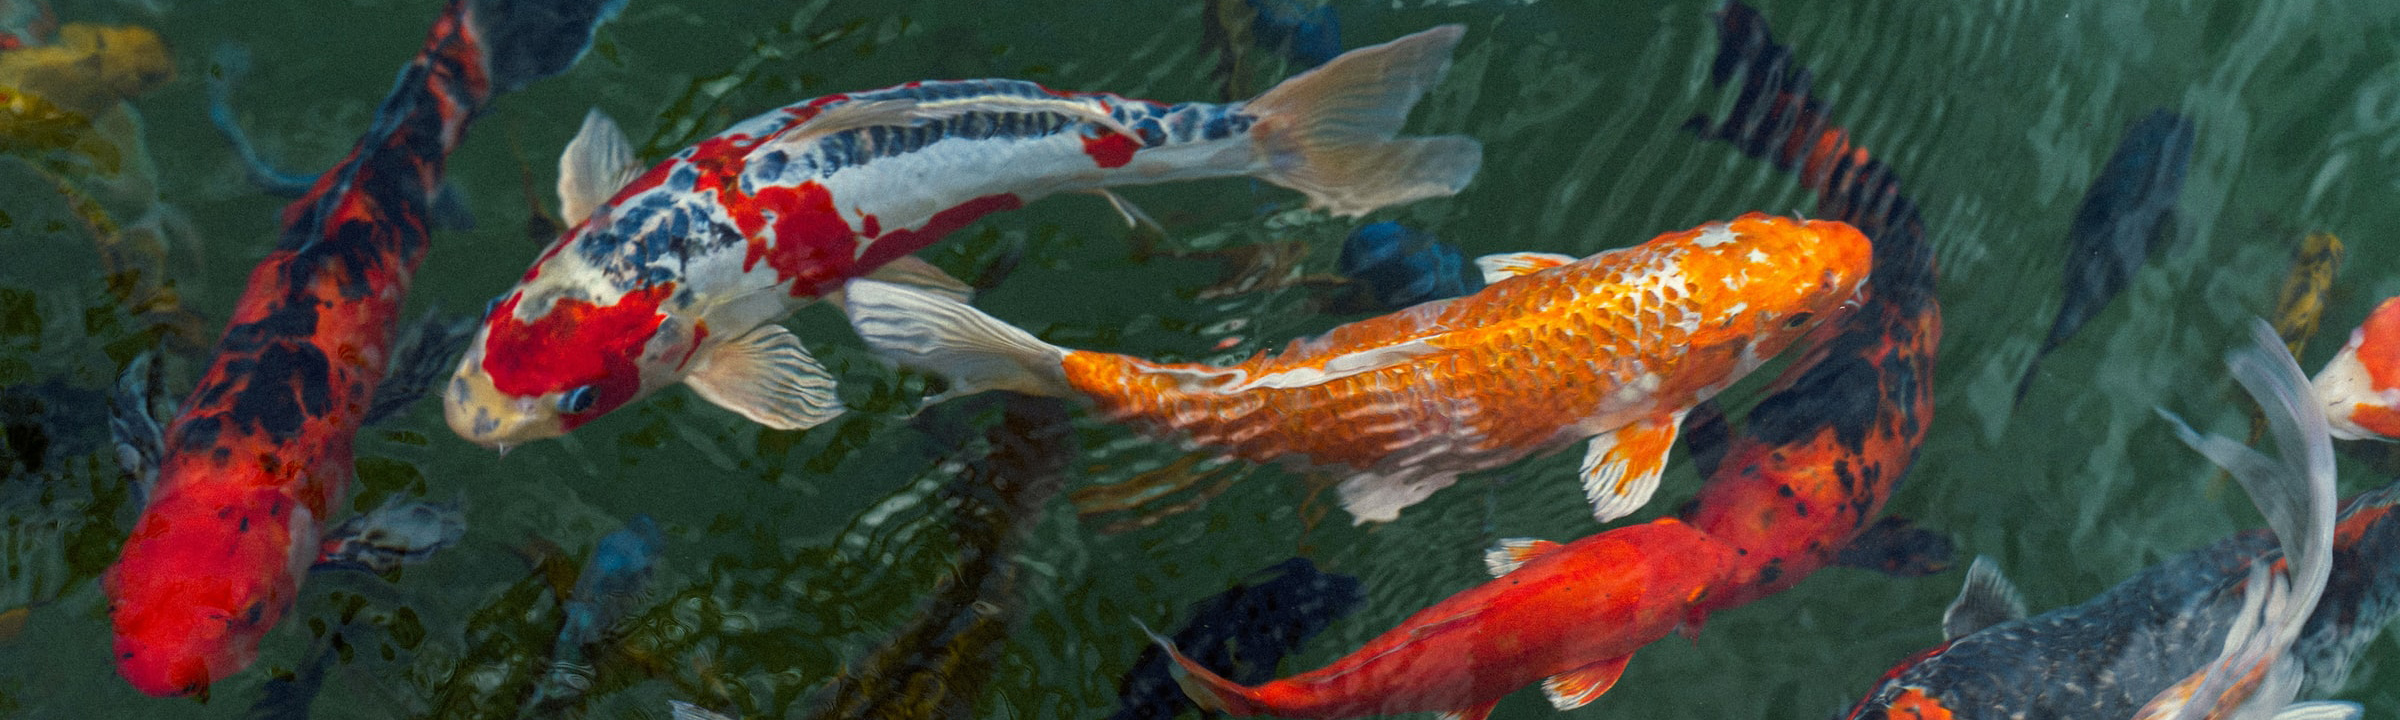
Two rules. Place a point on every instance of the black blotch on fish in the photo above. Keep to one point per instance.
(1394, 266)
(2126, 217)
(1706, 435)
(1242, 634)
(1843, 392)
(1896, 547)
(228, 65)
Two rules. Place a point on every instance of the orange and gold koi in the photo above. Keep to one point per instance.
(1615, 347)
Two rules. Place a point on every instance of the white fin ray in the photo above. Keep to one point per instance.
(1133, 215)
(932, 331)
(1580, 686)
(2321, 710)
(766, 376)
(593, 167)
(1329, 132)
(1512, 553)
(1986, 599)
(1621, 467)
(1507, 265)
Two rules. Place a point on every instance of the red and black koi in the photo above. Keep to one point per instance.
(261, 451)
(1810, 472)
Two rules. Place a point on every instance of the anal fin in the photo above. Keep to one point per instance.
(1507, 265)
(766, 376)
(1580, 686)
(1621, 467)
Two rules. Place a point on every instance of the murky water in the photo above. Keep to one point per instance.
(792, 556)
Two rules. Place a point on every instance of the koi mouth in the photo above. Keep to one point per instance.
(485, 416)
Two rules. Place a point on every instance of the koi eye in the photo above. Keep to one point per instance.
(1798, 320)
(578, 399)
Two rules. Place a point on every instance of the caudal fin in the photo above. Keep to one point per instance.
(2295, 492)
(927, 329)
(1212, 692)
(1330, 132)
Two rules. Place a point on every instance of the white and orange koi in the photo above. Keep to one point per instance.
(1615, 347)
(680, 273)
(2360, 386)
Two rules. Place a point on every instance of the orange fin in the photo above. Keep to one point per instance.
(1621, 468)
(1580, 686)
(1507, 265)
(1509, 554)
(1478, 712)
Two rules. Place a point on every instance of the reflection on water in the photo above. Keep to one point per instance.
(865, 564)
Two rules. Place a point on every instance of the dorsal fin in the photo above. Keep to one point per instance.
(1987, 599)
(597, 162)
(1509, 554)
(910, 111)
(1507, 265)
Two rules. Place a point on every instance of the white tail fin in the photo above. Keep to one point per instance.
(1329, 132)
(926, 329)
(2295, 491)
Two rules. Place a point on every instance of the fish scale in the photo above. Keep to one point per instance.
(1526, 343)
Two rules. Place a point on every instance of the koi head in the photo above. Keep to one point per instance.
(550, 358)
(2360, 387)
(1763, 283)
(204, 575)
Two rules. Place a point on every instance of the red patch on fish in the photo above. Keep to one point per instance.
(811, 244)
(612, 334)
(902, 242)
(1112, 150)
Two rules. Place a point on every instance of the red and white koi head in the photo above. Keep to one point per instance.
(550, 358)
(2361, 385)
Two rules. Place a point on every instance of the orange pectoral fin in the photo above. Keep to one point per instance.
(1580, 686)
(1478, 712)
(1621, 468)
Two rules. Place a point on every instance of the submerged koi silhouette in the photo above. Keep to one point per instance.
(2241, 626)
(679, 273)
(1615, 347)
(261, 451)
(2126, 217)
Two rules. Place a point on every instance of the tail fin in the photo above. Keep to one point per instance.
(527, 40)
(926, 329)
(2296, 494)
(1212, 692)
(1329, 132)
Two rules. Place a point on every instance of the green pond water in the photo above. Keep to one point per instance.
(792, 556)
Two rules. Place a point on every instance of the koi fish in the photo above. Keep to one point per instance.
(615, 582)
(2360, 386)
(1305, 37)
(2127, 216)
(2243, 625)
(679, 273)
(1615, 347)
(261, 449)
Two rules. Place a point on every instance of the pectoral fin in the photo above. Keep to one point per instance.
(1621, 468)
(766, 376)
(1134, 217)
(1509, 554)
(1580, 686)
(595, 164)
(1507, 265)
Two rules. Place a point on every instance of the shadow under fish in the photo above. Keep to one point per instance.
(2126, 217)
(937, 664)
(1242, 633)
